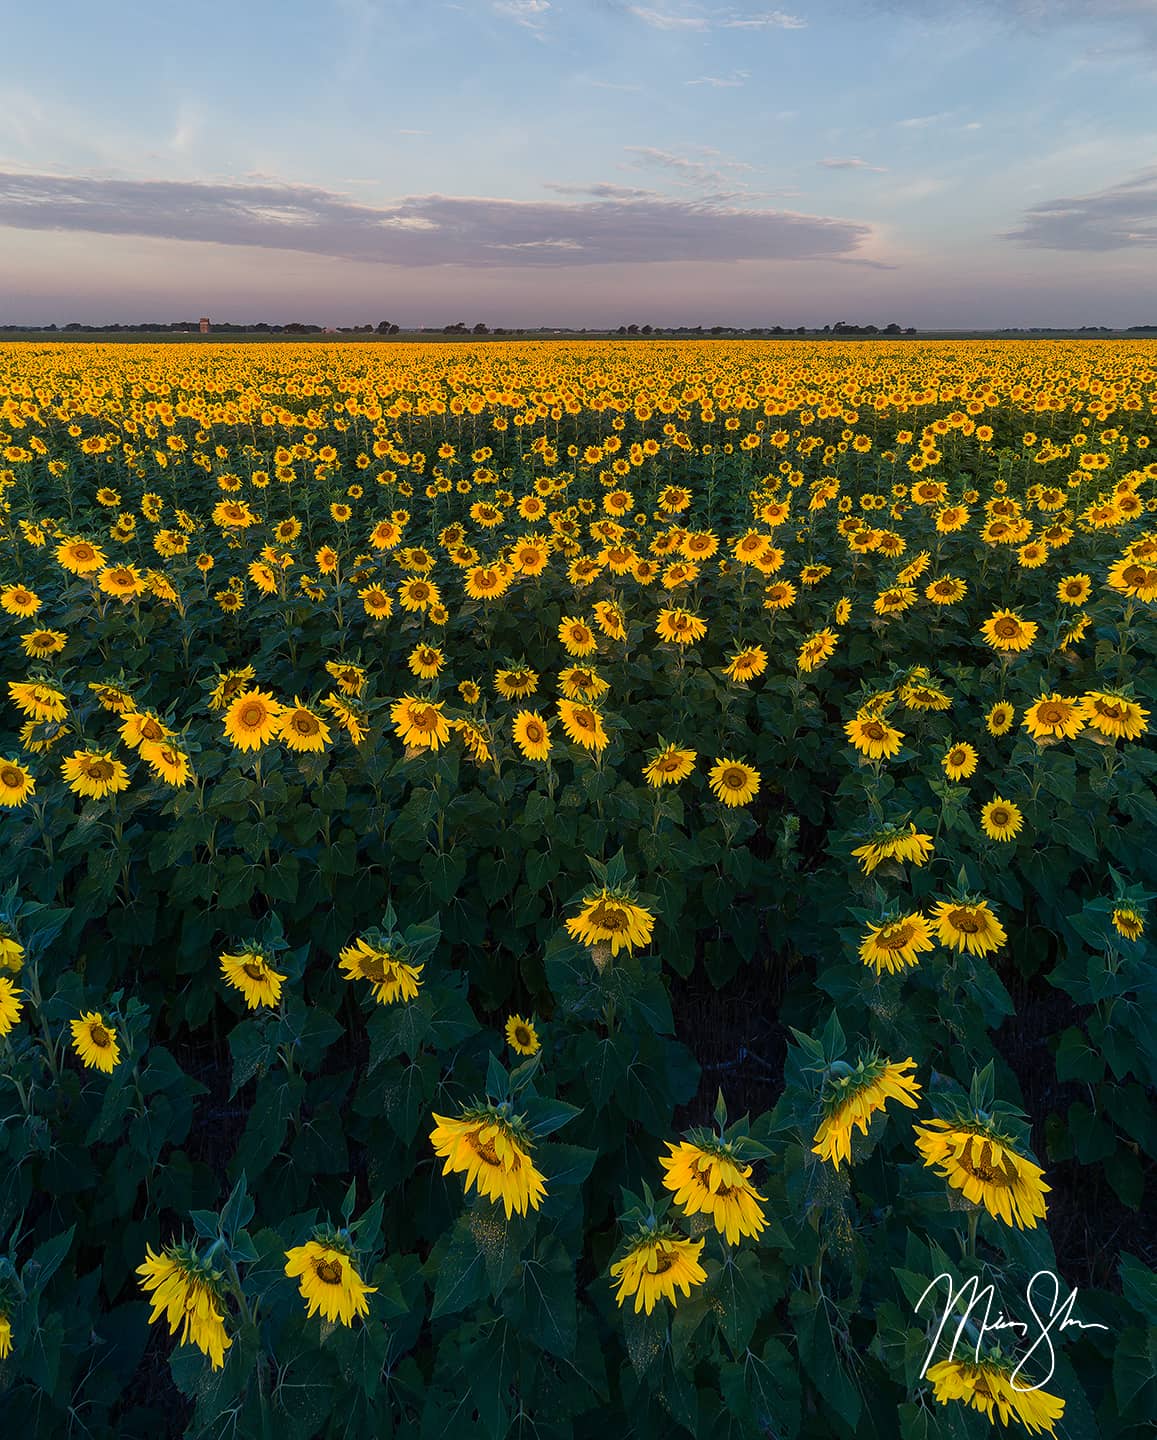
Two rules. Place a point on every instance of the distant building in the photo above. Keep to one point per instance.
(204, 323)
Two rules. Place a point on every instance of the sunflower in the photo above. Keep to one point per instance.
(987, 1385)
(679, 627)
(779, 596)
(139, 727)
(93, 774)
(1128, 922)
(896, 945)
(376, 602)
(80, 557)
(351, 679)
(1008, 633)
(1129, 577)
(583, 725)
(576, 636)
(531, 735)
(16, 784)
(710, 1180)
(420, 723)
(470, 692)
(946, 590)
(1074, 589)
(733, 782)
(10, 1005)
(329, 1281)
(522, 1037)
(658, 1262)
(873, 737)
(668, 765)
(95, 1042)
(817, 648)
(251, 973)
(39, 702)
(252, 719)
(999, 719)
(582, 683)
(352, 719)
(516, 682)
(167, 762)
(968, 925)
(1053, 717)
(391, 977)
(493, 1151)
(746, 664)
(1001, 819)
(415, 595)
(959, 761)
(984, 1166)
(122, 582)
(425, 661)
(19, 600)
(902, 843)
(186, 1291)
(1113, 714)
(5, 1336)
(610, 619)
(40, 644)
(610, 917)
(851, 1097)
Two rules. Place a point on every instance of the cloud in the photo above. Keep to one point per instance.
(1137, 18)
(420, 231)
(1121, 217)
(528, 13)
(921, 122)
(850, 162)
(603, 190)
(719, 82)
(716, 19)
(694, 172)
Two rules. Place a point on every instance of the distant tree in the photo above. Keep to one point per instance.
(646, 330)
(622, 330)
(911, 330)
(383, 327)
(892, 329)
(632, 329)
(481, 329)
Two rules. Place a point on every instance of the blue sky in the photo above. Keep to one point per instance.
(582, 162)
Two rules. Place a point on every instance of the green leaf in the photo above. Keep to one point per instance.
(460, 1273)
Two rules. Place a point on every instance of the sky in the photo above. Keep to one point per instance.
(583, 163)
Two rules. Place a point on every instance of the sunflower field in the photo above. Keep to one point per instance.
(563, 890)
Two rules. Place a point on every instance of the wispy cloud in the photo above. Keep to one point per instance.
(922, 122)
(527, 13)
(850, 162)
(693, 171)
(426, 230)
(699, 19)
(722, 82)
(1122, 217)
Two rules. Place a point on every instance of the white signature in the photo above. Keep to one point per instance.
(1058, 1316)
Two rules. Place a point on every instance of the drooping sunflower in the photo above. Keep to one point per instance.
(16, 784)
(328, 1280)
(391, 976)
(851, 1097)
(10, 1005)
(610, 917)
(1053, 717)
(968, 925)
(583, 725)
(531, 735)
(5, 1336)
(11, 951)
(817, 648)
(186, 1290)
(1113, 714)
(1008, 633)
(349, 716)
(679, 627)
(522, 1037)
(709, 1179)
(581, 682)
(93, 774)
(895, 842)
(874, 737)
(252, 974)
(658, 1262)
(985, 1167)
(252, 719)
(38, 701)
(493, 1151)
(986, 1385)
(746, 664)
(669, 765)
(95, 1042)
(167, 763)
(302, 730)
(610, 619)
(896, 945)
(1128, 922)
(959, 761)
(733, 782)
(1000, 819)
